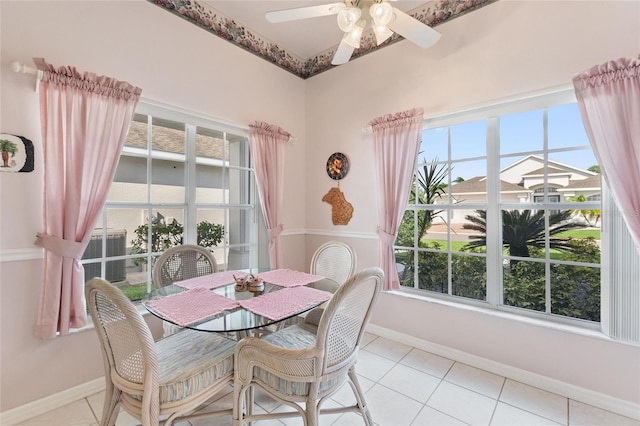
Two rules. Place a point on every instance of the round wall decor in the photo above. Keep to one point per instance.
(337, 166)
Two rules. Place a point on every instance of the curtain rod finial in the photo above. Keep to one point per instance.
(17, 66)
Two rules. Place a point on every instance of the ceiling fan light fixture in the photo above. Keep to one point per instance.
(352, 38)
(382, 33)
(348, 18)
(381, 13)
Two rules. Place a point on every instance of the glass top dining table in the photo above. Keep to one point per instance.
(237, 319)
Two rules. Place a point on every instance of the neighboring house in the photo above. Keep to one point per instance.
(523, 182)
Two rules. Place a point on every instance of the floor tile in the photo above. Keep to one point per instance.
(347, 419)
(77, 413)
(345, 395)
(586, 415)
(536, 401)
(410, 382)
(430, 417)
(462, 404)
(395, 392)
(373, 366)
(506, 415)
(474, 379)
(388, 408)
(388, 348)
(427, 362)
(367, 338)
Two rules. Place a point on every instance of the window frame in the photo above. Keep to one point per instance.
(490, 112)
(256, 241)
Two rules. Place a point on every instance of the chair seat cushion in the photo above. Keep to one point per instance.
(294, 337)
(191, 361)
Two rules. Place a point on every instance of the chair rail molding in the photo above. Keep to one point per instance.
(18, 255)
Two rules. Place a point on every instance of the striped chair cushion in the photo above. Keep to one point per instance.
(190, 361)
(294, 337)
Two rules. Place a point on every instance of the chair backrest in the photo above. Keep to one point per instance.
(346, 316)
(181, 263)
(334, 260)
(131, 360)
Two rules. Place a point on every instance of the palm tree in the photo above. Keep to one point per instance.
(7, 147)
(522, 230)
(431, 187)
(592, 216)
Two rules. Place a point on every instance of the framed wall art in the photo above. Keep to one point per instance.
(17, 153)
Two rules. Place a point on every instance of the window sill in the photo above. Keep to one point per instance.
(593, 332)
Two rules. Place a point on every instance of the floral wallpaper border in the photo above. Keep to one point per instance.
(433, 14)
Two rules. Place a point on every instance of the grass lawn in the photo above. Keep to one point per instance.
(580, 233)
(455, 245)
(135, 292)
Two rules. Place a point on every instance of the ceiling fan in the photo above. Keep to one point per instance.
(353, 16)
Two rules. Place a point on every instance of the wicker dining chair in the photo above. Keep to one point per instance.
(303, 364)
(170, 378)
(334, 260)
(181, 263)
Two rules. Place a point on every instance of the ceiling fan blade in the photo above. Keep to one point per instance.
(413, 30)
(343, 53)
(304, 12)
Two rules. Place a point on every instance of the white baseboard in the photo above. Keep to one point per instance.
(46, 404)
(586, 396)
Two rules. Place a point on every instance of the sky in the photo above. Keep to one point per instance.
(522, 132)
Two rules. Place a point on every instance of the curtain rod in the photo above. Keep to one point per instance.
(22, 68)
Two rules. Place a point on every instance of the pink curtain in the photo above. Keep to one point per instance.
(267, 145)
(85, 119)
(609, 100)
(396, 142)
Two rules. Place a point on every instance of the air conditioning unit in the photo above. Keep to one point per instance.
(116, 246)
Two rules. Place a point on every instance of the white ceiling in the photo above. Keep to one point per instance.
(304, 38)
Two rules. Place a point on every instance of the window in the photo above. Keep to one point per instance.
(504, 212)
(180, 179)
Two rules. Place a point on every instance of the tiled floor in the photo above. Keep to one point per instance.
(403, 386)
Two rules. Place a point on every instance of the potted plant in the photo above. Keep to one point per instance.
(7, 147)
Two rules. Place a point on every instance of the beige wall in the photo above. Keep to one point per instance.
(504, 49)
(174, 62)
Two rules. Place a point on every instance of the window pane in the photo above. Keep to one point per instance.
(435, 234)
(524, 285)
(470, 182)
(579, 183)
(469, 140)
(404, 264)
(469, 276)
(210, 145)
(524, 232)
(433, 272)
(522, 132)
(167, 136)
(406, 230)
(434, 144)
(431, 180)
(130, 181)
(168, 181)
(575, 291)
(138, 133)
(565, 127)
(238, 182)
(238, 150)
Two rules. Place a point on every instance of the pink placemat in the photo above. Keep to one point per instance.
(215, 280)
(289, 278)
(283, 303)
(191, 306)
